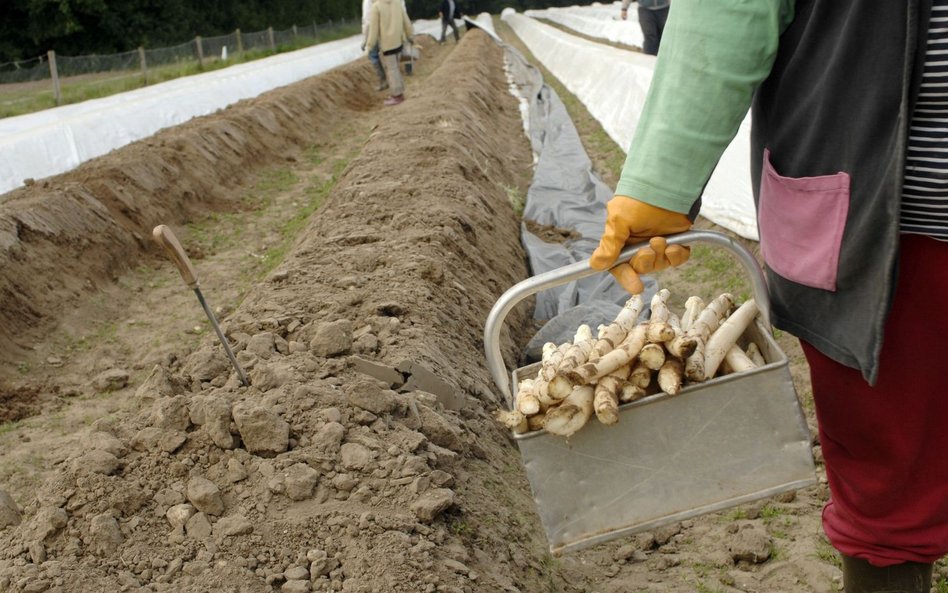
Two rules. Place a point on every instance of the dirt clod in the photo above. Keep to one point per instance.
(9, 512)
(262, 431)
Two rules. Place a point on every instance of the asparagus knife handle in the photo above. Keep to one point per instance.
(166, 239)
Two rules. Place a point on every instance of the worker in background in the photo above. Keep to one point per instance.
(448, 12)
(850, 170)
(373, 52)
(390, 28)
(652, 17)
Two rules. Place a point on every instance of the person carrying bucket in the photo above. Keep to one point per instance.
(390, 28)
(850, 170)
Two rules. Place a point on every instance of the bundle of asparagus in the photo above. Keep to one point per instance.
(629, 360)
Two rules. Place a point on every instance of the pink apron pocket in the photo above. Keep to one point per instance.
(801, 223)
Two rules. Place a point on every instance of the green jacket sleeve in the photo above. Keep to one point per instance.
(713, 55)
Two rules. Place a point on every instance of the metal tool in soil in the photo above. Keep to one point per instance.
(166, 238)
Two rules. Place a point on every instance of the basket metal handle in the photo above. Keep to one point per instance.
(560, 276)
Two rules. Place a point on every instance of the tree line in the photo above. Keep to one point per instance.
(30, 28)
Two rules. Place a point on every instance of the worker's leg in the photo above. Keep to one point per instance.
(379, 70)
(908, 577)
(659, 16)
(396, 83)
(885, 446)
(649, 31)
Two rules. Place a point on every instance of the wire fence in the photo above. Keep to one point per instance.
(46, 81)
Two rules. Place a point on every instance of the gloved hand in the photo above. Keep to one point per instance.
(630, 221)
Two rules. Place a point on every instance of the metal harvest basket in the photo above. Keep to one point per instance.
(715, 445)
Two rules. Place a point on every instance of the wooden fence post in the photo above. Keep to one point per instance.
(54, 75)
(141, 60)
(240, 42)
(294, 32)
(270, 36)
(200, 50)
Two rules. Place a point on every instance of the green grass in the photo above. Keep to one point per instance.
(105, 333)
(737, 514)
(313, 155)
(315, 194)
(828, 554)
(941, 582)
(702, 587)
(218, 231)
(516, 198)
(550, 568)
(718, 270)
(461, 528)
(703, 569)
(270, 183)
(20, 102)
(210, 233)
(8, 427)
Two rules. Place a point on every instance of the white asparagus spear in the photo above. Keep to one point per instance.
(621, 356)
(754, 353)
(681, 346)
(513, 419)
(612, 335)
(572, 413)
(641, 375)
(631, 392)
(527, 400)
(737, 361)
(693, 307)
(658, 328)
(652, 356)
(607, 393)
(707, 321)
(547, 372)
(670, 376)
(727, 335)
(579, 351)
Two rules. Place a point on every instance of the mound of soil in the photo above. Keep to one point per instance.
(67, 237)
(362, 457)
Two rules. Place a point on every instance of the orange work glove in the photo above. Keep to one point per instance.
(629, 221)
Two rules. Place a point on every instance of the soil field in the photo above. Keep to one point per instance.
(352, 253)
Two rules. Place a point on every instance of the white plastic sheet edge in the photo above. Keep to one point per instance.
(596, 21)
(57, 140)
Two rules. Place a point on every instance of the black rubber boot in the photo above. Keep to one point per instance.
(861, 577)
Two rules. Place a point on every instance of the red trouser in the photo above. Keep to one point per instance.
(886, 447)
